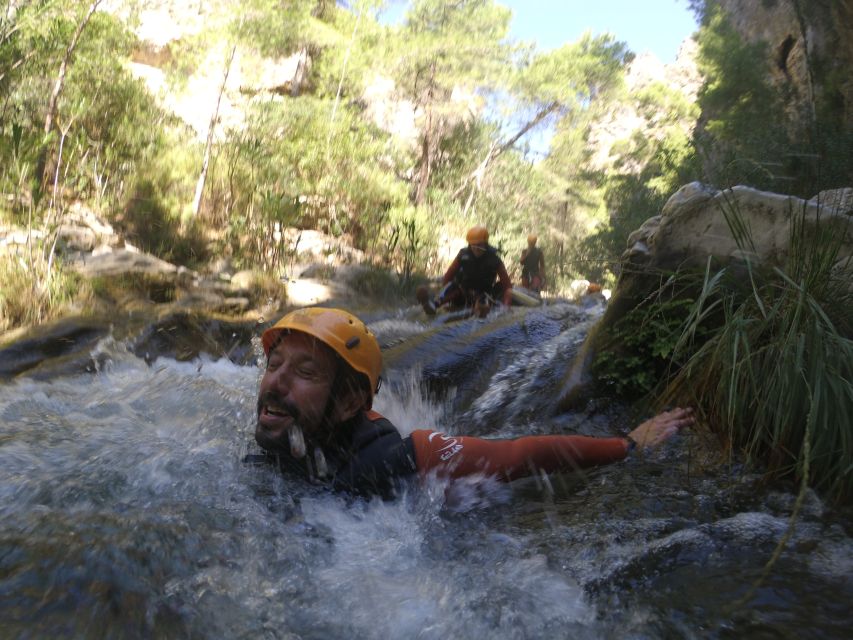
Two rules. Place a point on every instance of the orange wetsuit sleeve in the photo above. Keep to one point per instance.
(459, 456)
(451, 271)
(506, 284)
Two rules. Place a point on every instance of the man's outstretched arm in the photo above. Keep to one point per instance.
(460, 456)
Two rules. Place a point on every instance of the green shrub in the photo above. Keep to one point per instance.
(268, 288)
(636, 354)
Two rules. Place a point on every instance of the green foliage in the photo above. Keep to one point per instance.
(744, 130)
(147, 224)
(377, 285)
(646, 169)
(757, 133)
(104, 115)
(640, 345)
(442, 46)
(334, 179)
(354, 42)
(278, 28)
(574, 74)
(774, 377)
(637, 195)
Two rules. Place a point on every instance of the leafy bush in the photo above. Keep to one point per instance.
(637, 353)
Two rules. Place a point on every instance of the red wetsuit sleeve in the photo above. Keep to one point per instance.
(451, 271)
(459, 456)
(506, 284)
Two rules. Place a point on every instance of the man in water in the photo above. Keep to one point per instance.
(470, 279)
(532, 265)
(314, 416)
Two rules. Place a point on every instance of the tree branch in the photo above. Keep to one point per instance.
(477, 174)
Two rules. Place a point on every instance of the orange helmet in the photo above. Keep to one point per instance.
(341, 331)
(532, 238)
(477, 235)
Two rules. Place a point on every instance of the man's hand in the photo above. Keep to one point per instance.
(663, 426)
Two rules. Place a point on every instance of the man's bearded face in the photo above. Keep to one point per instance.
(294, 391)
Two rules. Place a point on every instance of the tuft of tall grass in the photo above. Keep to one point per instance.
(773, 369)
(34, 290)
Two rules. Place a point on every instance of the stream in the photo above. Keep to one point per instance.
(126, 512)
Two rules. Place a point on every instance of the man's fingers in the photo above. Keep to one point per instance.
(678, 412)
(663, 426)
(682, 417)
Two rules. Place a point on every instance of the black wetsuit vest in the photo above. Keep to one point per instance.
(371, 458)
(376, 459)
(530, 264)
(477, 274)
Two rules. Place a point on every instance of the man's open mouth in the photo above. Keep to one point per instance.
(273, 407)
(275, 410)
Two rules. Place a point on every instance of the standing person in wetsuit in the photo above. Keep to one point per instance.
(476, 278)
(315, 418)
(532, 265)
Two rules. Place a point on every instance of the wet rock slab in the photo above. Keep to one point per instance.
(69, 346)
(64, 347)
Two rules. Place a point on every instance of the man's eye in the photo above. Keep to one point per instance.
(306, 372)
(272, 365)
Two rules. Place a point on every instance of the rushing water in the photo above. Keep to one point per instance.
(125, 511)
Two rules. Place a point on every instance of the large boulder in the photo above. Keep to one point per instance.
(695, 225)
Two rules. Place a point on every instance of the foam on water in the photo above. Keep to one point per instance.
(135, 474)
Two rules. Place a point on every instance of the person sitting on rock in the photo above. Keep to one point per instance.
(314, 417)
(532, 266)
(476, 278)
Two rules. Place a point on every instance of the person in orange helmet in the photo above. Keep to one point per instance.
(315, 417)
(532, 265)
(476, 278)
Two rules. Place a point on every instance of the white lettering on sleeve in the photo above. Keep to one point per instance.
(449, 446)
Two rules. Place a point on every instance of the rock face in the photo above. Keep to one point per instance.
(693, 226)
(644, 71)
(811, 49)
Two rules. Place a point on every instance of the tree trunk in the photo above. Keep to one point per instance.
(429, 142)
(426, 163)
(205, 163)
(299, 73)
(44, 170)
(809, 73)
